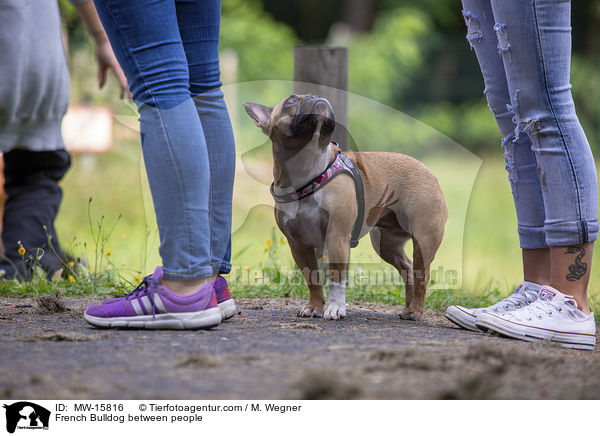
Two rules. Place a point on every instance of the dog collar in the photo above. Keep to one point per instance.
(340, 164)
(336, 166)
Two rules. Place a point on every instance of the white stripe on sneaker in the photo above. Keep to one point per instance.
(147, 304)
(159, 304)
(137, 307)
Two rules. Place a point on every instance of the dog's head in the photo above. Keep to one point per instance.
(295, 121)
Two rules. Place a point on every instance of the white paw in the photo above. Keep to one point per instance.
(334, 310)
(310, 312)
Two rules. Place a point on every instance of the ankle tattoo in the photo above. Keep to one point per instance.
(578, 269)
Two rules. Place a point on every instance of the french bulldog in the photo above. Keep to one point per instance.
(402, 201)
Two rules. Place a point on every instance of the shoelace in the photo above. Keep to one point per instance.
(521, 299)
(147, 284)
(540, 308)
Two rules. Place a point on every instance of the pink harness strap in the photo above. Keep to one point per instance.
(335, 167)
(340, 164)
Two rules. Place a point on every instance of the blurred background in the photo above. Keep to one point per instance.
(415, 89)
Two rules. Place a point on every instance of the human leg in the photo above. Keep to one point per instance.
(520, 159)
(199, 28)
(521, 167)
(535, 42)
(146, 40)
(34, 197)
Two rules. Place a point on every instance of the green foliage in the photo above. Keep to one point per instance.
(264, 46)
(471, 124)
(430, 129)
(67, 10)
(380, 128)
(445, 12)
(414, 58)
(383, 62)
(585, 77)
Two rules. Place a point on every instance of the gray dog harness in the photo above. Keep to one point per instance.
(340, 164)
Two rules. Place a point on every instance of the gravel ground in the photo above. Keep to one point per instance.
(47, 351)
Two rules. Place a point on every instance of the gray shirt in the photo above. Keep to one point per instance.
(34, 79)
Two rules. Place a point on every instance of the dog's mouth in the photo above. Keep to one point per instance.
(322, 107)
(318, 120)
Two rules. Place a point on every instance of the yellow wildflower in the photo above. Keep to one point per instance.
(156, 227)
(71, 279)
(247, 268)
(267, 248)
(137, 278)
(269, 242)
(282, 241)
(21, 251)
(71, 263)
(122, 235)
(108, 253)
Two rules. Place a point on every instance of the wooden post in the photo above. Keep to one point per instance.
(323, 70)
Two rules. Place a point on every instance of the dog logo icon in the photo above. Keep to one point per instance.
(26, 415)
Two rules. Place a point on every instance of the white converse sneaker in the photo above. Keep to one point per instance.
(526, 293)
(553, 317)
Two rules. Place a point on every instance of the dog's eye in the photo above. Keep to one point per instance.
(291, 100)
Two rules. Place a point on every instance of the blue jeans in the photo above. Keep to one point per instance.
(524, 52)
(168, 50)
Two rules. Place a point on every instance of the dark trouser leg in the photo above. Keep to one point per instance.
(33, 200)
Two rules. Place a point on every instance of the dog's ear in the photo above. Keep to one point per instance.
(260, 114)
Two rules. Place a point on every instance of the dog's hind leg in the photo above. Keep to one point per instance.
(306, 260)
(389, 243)
(414, 307)
(425, 247)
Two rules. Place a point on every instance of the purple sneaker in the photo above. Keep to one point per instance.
(152, 306)
(224, 300)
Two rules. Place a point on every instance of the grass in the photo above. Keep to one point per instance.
(82, 286)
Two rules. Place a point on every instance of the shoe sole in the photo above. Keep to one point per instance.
(461, 318)
(227, 309)
(204, 319)
(532, 334)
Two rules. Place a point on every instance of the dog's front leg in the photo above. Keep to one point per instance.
(306, 259)
(338, 251)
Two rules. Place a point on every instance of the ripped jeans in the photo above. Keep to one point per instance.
(524, 52)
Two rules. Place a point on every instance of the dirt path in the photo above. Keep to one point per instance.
(266, 352)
